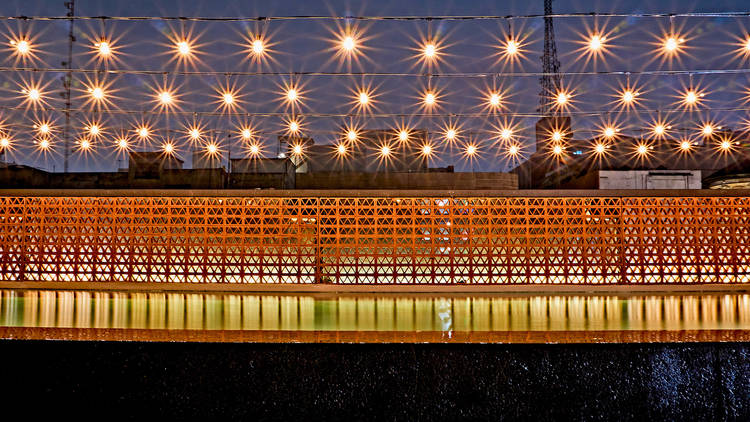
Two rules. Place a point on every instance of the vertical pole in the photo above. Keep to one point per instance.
(68, 80)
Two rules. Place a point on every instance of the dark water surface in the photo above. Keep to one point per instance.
(694, 381)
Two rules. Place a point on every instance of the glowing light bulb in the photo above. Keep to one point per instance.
(609, 132)
(246, 134)
(512, 47)
(349, 43)
(103, 48)
(513, 150)
(341, 149)
(293, 127)
(4, 142)
(351, 135)
(557, 136)
(562, 98)
(23, 47)
(34, 94)
(143, 132)
(228, 98)
(183, 47)
(426, 150)
(254, 149)
(685, 145)
(166, 98)
(429, 50)
(258, 47)
(600, 148)
(122, 143)
(168, 148)
(707, 130)
(403, 136)
(44, 144)
(557, 150)
(364, 99)
(691, 97)
(495, 99)
(628, 96)
(596, 42)
(292, 94)
(297, 149)
(450, 134)
(725, 145)
(642, 149)
(85, 144)
(212, 149)
(671, 44)
(194, 133)
(97, 93)
(429, 99)
(44, 129)
(385, 151)
(506, 134)
(471, 150)
(94, 130)
(659, 130)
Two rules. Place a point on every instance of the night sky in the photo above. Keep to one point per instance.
(306, 45)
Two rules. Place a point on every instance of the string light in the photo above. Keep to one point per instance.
(686, 145)
(183, 48)
(246, 133)
(673, 44)
(168, 148)
(297, 150)
(212, 149)
(341, 149)
(609, 132)
(254, 149)
(351, 135)
(143, 132)
(43, 128)
(4, 143)
(122, 144)
(194, 133)
(403, 135)
(600, 148)
(451, 134)
(258, 47)
(22, 46)
(385, 151)
(725, 145)
(557, 135)
(94, 130)
(44, 144)
(557, 149)
(426, 150)
(84, 145)
(642, 149)
(506, 134)
(596, 42)
(513, 150)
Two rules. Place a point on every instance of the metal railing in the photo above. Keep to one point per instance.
(380, 239)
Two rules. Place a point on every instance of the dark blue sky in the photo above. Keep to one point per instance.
(303, 45)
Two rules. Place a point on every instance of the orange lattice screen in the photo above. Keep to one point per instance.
(359, 240)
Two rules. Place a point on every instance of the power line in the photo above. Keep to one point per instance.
(377, 74)
(387, 18)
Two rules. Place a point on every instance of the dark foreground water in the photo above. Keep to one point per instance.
(106, 380)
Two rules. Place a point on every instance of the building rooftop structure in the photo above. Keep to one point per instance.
(577, 163)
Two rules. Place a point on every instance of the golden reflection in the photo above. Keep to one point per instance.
(407, 313)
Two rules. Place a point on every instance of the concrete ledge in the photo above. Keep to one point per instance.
(378, 288)
(374, 193)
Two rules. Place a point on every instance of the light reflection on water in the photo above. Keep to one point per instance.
(369, 312)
